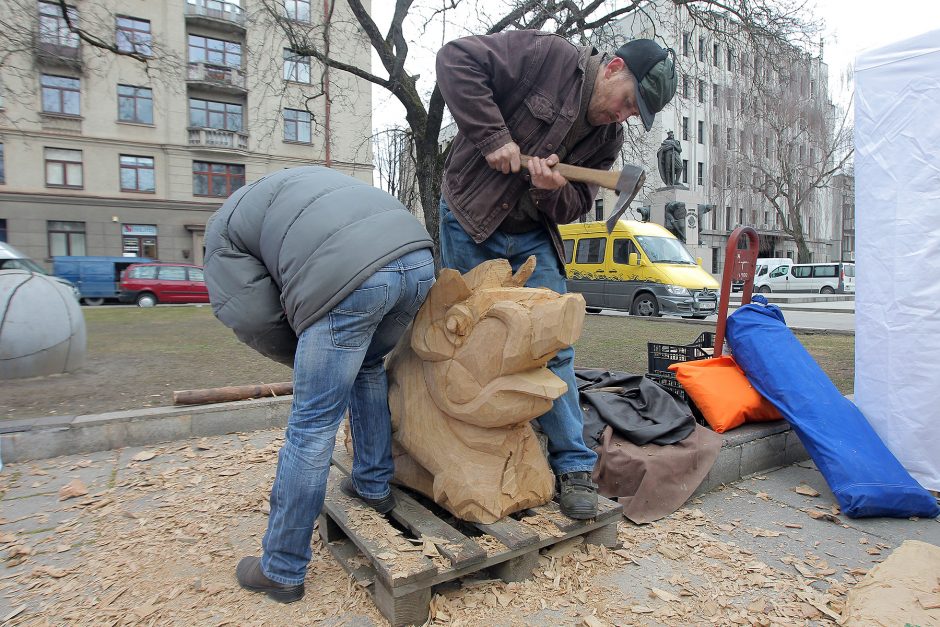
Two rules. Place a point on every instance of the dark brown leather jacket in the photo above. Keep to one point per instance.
(522, 86)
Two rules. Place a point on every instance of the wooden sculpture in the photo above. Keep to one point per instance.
(466, 380)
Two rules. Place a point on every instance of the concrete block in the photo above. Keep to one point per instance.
(727, 469)
(794, 451)
(25, 424)
(764, 454)
(152, 430)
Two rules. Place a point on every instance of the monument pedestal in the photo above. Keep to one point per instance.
(665, 195)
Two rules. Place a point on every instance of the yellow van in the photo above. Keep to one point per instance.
(640, 267)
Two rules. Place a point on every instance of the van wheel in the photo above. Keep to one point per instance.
(764, 289)
(827, 290)
(592, 309)
(146, 300)
(645, 305)
(93, 302)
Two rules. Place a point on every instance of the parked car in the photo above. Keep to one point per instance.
(150, 283)
(763, 266)
(12, 259)
(97, 278)
(640, 267)
(825, 278)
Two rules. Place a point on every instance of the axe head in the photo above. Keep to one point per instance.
(628, 186)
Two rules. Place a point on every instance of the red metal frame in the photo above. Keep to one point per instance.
(739, 266)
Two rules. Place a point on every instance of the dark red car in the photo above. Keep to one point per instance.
(150, 283)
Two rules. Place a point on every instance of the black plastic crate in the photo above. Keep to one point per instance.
(668, 381)
(661, 356)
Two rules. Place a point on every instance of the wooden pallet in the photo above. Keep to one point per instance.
(401, 570)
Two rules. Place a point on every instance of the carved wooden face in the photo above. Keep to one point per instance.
(486, 340)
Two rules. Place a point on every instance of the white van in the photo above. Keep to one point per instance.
(824, 278)
(12, 259)
(763, 266)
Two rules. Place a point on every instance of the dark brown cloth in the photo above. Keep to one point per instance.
(652, 481)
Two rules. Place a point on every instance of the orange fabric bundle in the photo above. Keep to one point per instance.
(722, 393)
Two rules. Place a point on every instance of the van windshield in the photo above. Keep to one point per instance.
(664, 250)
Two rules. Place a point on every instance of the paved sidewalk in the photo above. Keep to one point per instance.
(155, 537)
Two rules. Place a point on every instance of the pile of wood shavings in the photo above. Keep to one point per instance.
(160, 546)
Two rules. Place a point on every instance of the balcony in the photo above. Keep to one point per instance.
(217, 78)
(224, 16)
(55, 54)
(218, 139)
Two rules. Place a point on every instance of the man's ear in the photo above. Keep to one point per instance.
(613, 66)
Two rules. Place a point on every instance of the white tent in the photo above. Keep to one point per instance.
(897, 224)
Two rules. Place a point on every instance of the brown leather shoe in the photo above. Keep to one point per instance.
(249, 575)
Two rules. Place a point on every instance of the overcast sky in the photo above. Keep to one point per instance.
(851, 26)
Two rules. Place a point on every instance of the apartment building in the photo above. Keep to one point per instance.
(745, 118)
(102, 154)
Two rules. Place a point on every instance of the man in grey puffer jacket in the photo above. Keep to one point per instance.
(321, 271)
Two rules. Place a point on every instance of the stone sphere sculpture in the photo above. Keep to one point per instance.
(42, 329)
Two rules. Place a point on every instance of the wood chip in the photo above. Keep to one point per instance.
(668, 551)
(805, 490)
(14, 613)
(641, 609)
(818, 515)
(665, 596)
(73, 488)
(592, 621)
(144, 456)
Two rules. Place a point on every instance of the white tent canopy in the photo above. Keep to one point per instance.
(897, 228)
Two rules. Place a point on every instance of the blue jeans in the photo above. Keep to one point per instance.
(563, 423)
(339, 364)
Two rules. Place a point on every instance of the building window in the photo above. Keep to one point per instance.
(296, 67)
(701, 91)
(297, 10)
(767, 147)
(214, 51)
(730, 59)
(802, 153)
(686, 44)
(66, 238)
(728, 221)
(743, 103)
(743, 144)
(701, 132)
(716, 95)
(599, 209)
(741, 215)
(135, 104)
(61, 94)
(716, 58)
(686, 87)
(728, 178)
(218, 180)
(3, 229)
(701, 49)
(685, 128)
(3, 176)
(728, 141)
(137, 174)
(63, 168)
(685, 171)
(715, 134)
(211, 114)
(134, 36)
(700, 173)
(297, 125)
(53, 29)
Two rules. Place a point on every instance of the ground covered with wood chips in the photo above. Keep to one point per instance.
(151, 537)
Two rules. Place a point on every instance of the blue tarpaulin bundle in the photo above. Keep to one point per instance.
(865, 477)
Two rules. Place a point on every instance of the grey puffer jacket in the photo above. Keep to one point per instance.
(284, 250)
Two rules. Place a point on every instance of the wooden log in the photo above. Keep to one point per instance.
(232, 393)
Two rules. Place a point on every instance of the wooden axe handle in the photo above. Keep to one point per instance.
(604, 178)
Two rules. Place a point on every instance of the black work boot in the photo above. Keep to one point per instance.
(383, 505)
(577, 495)
(249, 575)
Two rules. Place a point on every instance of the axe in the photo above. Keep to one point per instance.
(626, 183)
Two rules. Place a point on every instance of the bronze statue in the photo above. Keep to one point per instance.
(669, 160)
(675, 219)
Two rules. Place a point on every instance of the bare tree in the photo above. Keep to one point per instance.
(579, 20)
(393, 151)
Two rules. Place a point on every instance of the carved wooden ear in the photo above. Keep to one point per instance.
(430, 338)
(523, 274)
(492, 273)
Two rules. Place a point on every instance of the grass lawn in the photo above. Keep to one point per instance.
(138, 357)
